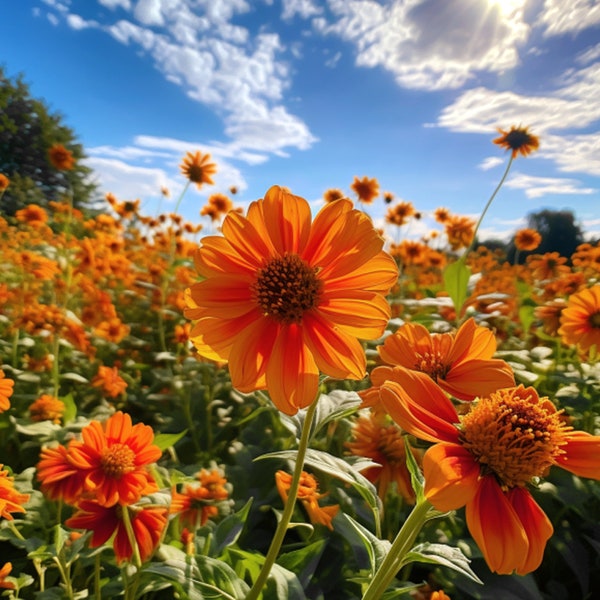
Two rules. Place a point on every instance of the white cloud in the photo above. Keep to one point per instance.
(536, 187)
(148, 12)
(303, 8)
(490, 163)
(568, 16)
(112, 4)
(430, 44)
(77, 23)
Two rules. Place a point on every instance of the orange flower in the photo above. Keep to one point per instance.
(217, 206)
(400, 213)
(112, 330)
(4, 573)
(381, 440)
(441, 215)
(11, 501)
(518, 140)
(580, 319)
(366, 189)
(110, 381)
(283, 298)
(147, 523)
(459, 231)
(114, 457)
(59, 478)
(527, 239)
(32, 214)
(4, 182)
(61, 158)
(460, 363)
(197, 503)
(47, 408)
(308, 495)
(6, 390)
(549, 314)
(333, 194)
(197, 168)
(547, 266)
(485, 460)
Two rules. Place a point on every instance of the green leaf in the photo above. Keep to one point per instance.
(526, 316)
(416, 476)
(441, 554)
(303, 562)
(166, 440)
(70, 408)
(456, 280)
(228, 530)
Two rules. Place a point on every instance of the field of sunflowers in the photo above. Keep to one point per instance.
(294, 405)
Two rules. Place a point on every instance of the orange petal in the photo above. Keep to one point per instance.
(292, 375)
(401, 347)
(472, 341)
(224, 296)
(537, 528)
(582, 455)
(378, 274)
(336, 353)
(216, 256)
(496, 527)
(477, 378)
(451, 476)
(249, 242)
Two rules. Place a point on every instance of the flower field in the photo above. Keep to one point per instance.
(294, 405)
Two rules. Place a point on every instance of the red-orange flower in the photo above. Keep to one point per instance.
(283, 298)
(527, 239)
(519, 140)
(47, 408)
(59, 478)
(197, 168)
(366, 189)
(460, 363)
(580, 319)
(459, 231)
(113, 458)
(61, 158)
(485, 460)
(109, 380)
(11, 501)
(198, 502)
(4, 573)
(147, 523)
(6, 390)
(4, 182)
(309, 496)
(32, 214)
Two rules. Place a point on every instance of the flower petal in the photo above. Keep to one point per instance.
(496, 527)
(378, 274)
(451, 476)
(477, 378)
(216, 257)
(582, 455)
(223, 296)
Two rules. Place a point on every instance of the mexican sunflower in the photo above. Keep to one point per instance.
(147, 524)
(460, 363)
(283, 298)
(580, 319)
(485, 459)
(198, 168)
(518, 140)
(113, 459)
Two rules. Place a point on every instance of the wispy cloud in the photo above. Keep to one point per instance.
(536, 187)
(568, 16)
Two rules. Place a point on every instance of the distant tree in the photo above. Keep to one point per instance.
(560, 233)
(27, 131)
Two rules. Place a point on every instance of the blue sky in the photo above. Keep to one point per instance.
(310, 93)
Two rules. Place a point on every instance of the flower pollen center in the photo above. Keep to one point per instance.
(594, 320)
(117, 460)
(514, 435)
(431, 363)
(286, 287)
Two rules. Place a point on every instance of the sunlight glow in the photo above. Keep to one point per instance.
(507, 7)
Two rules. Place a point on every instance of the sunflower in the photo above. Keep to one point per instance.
(197, 168)
(283, 298)
(61, 158)
(486, 459)
(580, 319)
(519, 140)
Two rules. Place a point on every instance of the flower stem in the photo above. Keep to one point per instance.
(288, 509)
(401, 545)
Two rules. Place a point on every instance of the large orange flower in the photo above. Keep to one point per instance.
(113, 459)
(485, 460)
(147, 523)
(283, 298)
(580, 319)
(460, 363)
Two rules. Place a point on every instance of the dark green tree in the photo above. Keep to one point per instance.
(27, 131)
(559, 230)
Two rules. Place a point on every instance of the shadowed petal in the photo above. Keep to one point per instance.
(582, 455)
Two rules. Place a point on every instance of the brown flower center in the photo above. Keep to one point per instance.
(517, 138)
(514, 435)
(117, 460)
(286, 287)
(432, 363)
(595, 320)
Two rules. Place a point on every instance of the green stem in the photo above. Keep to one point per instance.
(400, 547)
(136, 559)
(288, 509)
(97, 567)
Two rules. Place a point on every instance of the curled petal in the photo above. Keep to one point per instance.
(582, 455)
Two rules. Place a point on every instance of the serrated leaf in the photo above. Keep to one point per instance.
(456, 280)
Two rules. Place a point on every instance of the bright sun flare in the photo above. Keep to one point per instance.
(507, 7)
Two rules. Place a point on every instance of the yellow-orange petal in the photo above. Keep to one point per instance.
(292, 374)
(216, 257)
(224, 296)
(581, 455)
(378, 275)
(400, 348)
(287, 219)
(451, 476)
(252, 244)
(538, 528)
(336, 353)
(496, 527)
(477, 378)
(472, 341)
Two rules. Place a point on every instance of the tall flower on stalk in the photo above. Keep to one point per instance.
(284, 298)
(486, 459)
(519, 140)
(198, 168)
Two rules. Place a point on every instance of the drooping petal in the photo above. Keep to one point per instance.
(537, 528)
(336, 353)
(451, 476)
(477, 378)
(582, 455)
(496, 527)
(419, 406)
(292, 375)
